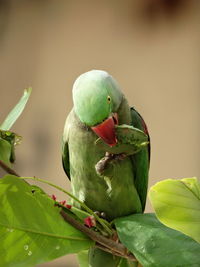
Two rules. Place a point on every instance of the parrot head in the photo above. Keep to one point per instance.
(97, 97)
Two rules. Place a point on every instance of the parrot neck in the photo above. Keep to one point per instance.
(124, 115)
(79, 123)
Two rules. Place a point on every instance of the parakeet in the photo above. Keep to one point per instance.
(99, 107)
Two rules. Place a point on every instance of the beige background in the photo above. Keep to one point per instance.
(151, 48)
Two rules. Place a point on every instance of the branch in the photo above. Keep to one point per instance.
(129, 256)
(8, 169)
(102, 242)
(82, 204)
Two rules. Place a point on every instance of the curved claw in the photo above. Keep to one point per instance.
(103, 166)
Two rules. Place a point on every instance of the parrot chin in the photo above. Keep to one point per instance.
(106, 130)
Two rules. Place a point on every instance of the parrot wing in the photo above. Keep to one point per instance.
(141, 160)
(65, 159)
(65, 148)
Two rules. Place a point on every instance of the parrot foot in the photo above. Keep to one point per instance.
(107, 161)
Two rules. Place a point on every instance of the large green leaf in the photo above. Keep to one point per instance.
(32, 230)
(5, 151)
(177, 205)
(16, 111)
(156, 245)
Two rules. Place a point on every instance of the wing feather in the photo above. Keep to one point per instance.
(141, 160)
(65, 147)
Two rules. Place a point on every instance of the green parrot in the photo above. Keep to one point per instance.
(119, 188)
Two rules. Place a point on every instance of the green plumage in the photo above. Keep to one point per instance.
(121, 190)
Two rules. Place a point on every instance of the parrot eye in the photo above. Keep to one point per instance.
(108, 98)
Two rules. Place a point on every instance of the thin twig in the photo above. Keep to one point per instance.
(102, 242)
(8, 169)
(127, 256)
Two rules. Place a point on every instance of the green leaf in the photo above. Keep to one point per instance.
(130, 140)
(99, 258)
(156, 245)
(192, 184)
(81, 214)
(5, 152)
(83, 258)
(13, 139)
(16, 111)
(127, 134)
(177, 205)
(126, 263)
(32, 230)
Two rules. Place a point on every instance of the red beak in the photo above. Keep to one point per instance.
(106, 130)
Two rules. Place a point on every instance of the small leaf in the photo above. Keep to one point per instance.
(32, 230)
(127, 134)
(13, 139)
(16, 111)
(177, 205)
(130, 140)
(5, 152)
(156, 245)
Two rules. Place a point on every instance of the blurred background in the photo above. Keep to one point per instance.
(151, 47)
